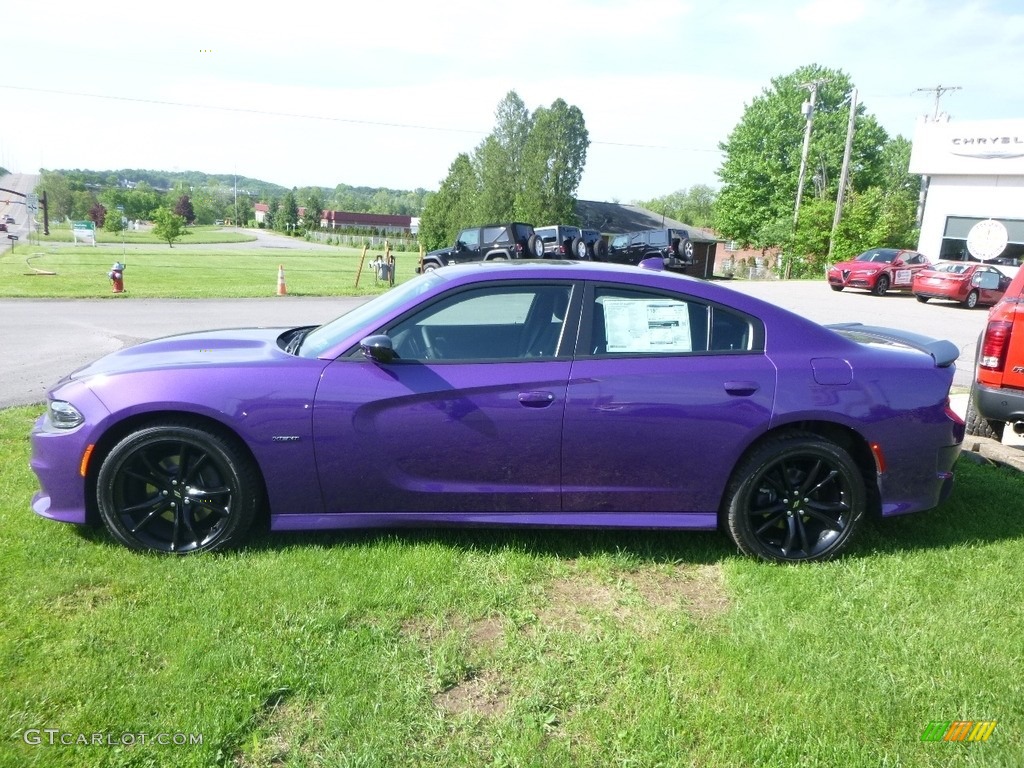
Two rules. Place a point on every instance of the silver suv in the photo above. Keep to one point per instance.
(563, 241)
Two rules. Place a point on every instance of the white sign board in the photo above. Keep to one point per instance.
(653, 325)
(987, 239)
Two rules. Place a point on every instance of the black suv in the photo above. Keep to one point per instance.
(672, 245)
(489, 243)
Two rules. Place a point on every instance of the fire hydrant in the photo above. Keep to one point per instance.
(116, 275)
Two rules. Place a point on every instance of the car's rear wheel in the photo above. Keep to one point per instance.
(600, 250)
(972, 299)
(795, 498)
(922, 299)
(979, 426)
(881, 285)
(177, 488)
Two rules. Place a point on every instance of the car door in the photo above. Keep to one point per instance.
(665, 393)
(467, 246)
(991, 284)
(469, 418)
(905, 266)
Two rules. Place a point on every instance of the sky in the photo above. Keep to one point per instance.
(387, 94)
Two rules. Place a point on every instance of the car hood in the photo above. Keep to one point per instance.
(225, 348)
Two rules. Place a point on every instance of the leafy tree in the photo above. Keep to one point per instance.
(452, 207)
(97, 214)
(289, 212)
(498, 160)
(694, 205)
(58, 191)
(553, 158)
(114, 222)
(168, 225)
(185, 209)
(762, 154)
(314, 202)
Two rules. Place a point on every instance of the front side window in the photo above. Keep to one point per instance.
(470, 237)
(487, 323)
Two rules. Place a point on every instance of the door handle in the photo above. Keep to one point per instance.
(536, 399)
(741, 388)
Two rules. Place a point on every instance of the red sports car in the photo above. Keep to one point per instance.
(969, 283)
(878, 270)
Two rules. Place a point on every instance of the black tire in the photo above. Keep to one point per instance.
(600, 250)
(430, 266)
(835, 287)
(881, 285)
(972, 299)
(981, 427)
(535, 247)
(796, 498)
(922, 299)
(177, 488)
(579, 248)
(685, 249)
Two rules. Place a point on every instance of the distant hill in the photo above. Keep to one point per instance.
(341, 197)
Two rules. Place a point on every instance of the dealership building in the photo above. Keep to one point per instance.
(975, 173)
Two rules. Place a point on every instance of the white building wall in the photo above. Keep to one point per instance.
(986, 197)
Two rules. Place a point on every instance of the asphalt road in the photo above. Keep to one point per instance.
(47, 338)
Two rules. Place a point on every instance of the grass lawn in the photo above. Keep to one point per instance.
(187, 271)
(508, 648)
(61, 233)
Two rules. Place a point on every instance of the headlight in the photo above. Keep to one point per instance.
(63, 415)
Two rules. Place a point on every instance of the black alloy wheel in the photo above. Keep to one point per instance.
(881, 285)
(796, 498)
(177, 488)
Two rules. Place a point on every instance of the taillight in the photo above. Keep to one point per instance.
(995, 344)
(519, 248)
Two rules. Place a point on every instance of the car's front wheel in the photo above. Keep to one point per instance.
(797, 497)
(835, 287)
(922, 299)
(881, 285)
(177, 488)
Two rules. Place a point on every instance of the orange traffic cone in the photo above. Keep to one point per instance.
(282, 289)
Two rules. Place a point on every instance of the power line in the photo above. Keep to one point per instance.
(299, 116)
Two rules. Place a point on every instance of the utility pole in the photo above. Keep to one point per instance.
(938, 90)
(844, 176)
(808, 112)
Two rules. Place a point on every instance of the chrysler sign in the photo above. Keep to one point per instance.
(988, 147)
(984, 148)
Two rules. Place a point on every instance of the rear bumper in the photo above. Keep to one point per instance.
(999, 404)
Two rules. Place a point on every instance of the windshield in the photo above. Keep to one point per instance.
(366, 316)
(883, 256)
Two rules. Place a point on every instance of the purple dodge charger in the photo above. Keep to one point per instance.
(542, 394)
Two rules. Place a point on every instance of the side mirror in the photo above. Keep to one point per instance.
(378, 348)
(459, 246)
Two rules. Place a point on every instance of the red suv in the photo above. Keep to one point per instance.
(997, 396)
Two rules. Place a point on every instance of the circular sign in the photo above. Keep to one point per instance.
(987, 239)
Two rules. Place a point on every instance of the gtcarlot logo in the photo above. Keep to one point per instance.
(55, 737)
(958, 730)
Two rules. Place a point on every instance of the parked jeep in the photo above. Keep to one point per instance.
(562, 241)
(672, 245)
(488, 243)
(997, 395)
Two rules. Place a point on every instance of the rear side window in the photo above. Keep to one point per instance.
(494, 234)
(636, 322)
(659, 238)
(522, 231)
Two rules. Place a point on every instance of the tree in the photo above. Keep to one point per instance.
(97, 214)
(762, 154)
(553, 158)
(184, 209)
(288, 218)
(498, 160)
(452, 207)
(58, 191)
(314, 201)
(168, 225)
(694, 205)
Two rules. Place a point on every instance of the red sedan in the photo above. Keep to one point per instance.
(878, 270)
(968, 283)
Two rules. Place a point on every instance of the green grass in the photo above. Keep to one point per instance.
(188, 272)
(193, 236)
(496, 647)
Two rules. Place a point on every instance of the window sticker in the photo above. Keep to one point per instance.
(648, 325)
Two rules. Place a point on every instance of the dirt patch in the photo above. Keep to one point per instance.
(577, 600)
(282, 728)
(482, 635)
(86, 597)
(483, 694)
